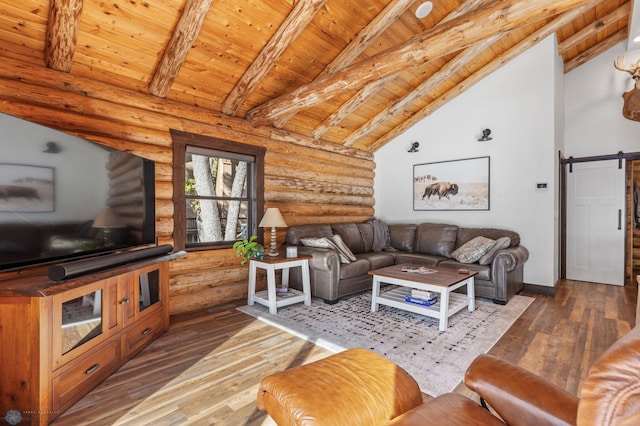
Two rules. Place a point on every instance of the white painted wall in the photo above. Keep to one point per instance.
(593, 99)
(519, 104)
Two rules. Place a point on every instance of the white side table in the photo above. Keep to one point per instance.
(269, 297)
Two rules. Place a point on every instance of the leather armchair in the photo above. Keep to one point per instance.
(367, 389)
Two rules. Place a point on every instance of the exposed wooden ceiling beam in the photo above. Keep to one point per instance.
(492, 66)
(62, 33)
(186, 32)
(372, 88)
(288, 32)
(359, 44)
(351, 105)
(597, 49)
(437, 78)
(497, 16)
(368, 35)
(601, 25)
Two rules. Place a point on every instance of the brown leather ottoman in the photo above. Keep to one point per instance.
(354, 387)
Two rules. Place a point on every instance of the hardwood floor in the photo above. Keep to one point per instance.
(205, 370)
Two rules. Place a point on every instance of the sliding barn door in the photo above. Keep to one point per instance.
(596, 222)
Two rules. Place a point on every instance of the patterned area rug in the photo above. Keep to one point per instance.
(437, 360)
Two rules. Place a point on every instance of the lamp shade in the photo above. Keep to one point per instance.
(272, 219)
(107, 218)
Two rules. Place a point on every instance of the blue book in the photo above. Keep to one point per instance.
(423, 302)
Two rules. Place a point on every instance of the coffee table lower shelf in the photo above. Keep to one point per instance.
(396, 299)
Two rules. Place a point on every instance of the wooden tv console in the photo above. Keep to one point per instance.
(58, 340)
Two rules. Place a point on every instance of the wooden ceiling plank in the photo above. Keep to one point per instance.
(186, 32)
(600, 25)
(359, 44)
(351, 105)
(62, 33)
(437, 78)
(497, 16)
(489, 68)
(367, 36)
(288, 32)
(372, 88)
(597, 49)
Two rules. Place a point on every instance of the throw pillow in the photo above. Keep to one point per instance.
(502, 242)
(473, 250)
(342, 247)
(326, 243)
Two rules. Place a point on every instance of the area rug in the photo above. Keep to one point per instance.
(437, 360)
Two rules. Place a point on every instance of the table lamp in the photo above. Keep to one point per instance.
(272, 219)
(106, 220)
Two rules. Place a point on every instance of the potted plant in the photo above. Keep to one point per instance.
(248, 249)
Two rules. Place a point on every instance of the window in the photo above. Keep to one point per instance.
(217, 191)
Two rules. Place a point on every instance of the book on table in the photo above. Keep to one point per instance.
(423, 294)
(419, 301)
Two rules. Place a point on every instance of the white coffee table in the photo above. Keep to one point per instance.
(442, 281)
(269, 297)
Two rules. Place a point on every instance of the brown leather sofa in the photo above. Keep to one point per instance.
(359, 387)
(429, 244)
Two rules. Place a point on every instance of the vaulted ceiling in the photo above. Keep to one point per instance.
(349, 72)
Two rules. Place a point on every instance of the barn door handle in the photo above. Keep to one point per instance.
(619, 219)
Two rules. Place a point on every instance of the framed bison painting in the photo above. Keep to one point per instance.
(26, 189)
(452, 185)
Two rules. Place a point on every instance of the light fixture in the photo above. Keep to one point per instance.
(106, 220)
(485, 135)
(52, 148)
(272, 219)
(636, 39)
(414, 147)
(424, 9)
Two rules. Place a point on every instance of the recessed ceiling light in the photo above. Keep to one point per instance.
(636, 39)
(424, 9)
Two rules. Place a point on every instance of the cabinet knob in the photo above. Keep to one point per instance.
(124, 301)
(93, 368)
(146, 331)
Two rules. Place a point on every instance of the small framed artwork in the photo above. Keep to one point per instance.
(452, 185)
(26, 188)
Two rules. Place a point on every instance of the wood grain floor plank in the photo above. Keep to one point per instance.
(206, 369)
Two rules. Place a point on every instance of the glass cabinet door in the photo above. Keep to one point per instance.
(149, 287)
(79, 320)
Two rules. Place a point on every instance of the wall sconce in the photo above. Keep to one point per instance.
(52, 148)
(485, 135)
(414, 147)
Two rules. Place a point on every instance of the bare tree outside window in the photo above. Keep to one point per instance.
(218, 191)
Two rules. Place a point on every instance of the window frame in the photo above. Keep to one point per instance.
(255, 190)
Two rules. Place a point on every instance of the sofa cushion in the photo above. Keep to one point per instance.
(342, 247)
(484, 271)
(436, 238)
(419, 259)
(403, 237)
(473, 250)
(378, 259)
(355, 269)
(295, 233)
(467, 234)
(366, 232)
(501, 243)
(325, 243)
(351, 236)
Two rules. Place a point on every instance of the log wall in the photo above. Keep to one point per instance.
(310, 181)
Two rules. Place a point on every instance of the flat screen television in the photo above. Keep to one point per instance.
(65, 198)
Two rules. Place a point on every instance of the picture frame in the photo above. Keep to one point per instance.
(452, 185)
(26, 188)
